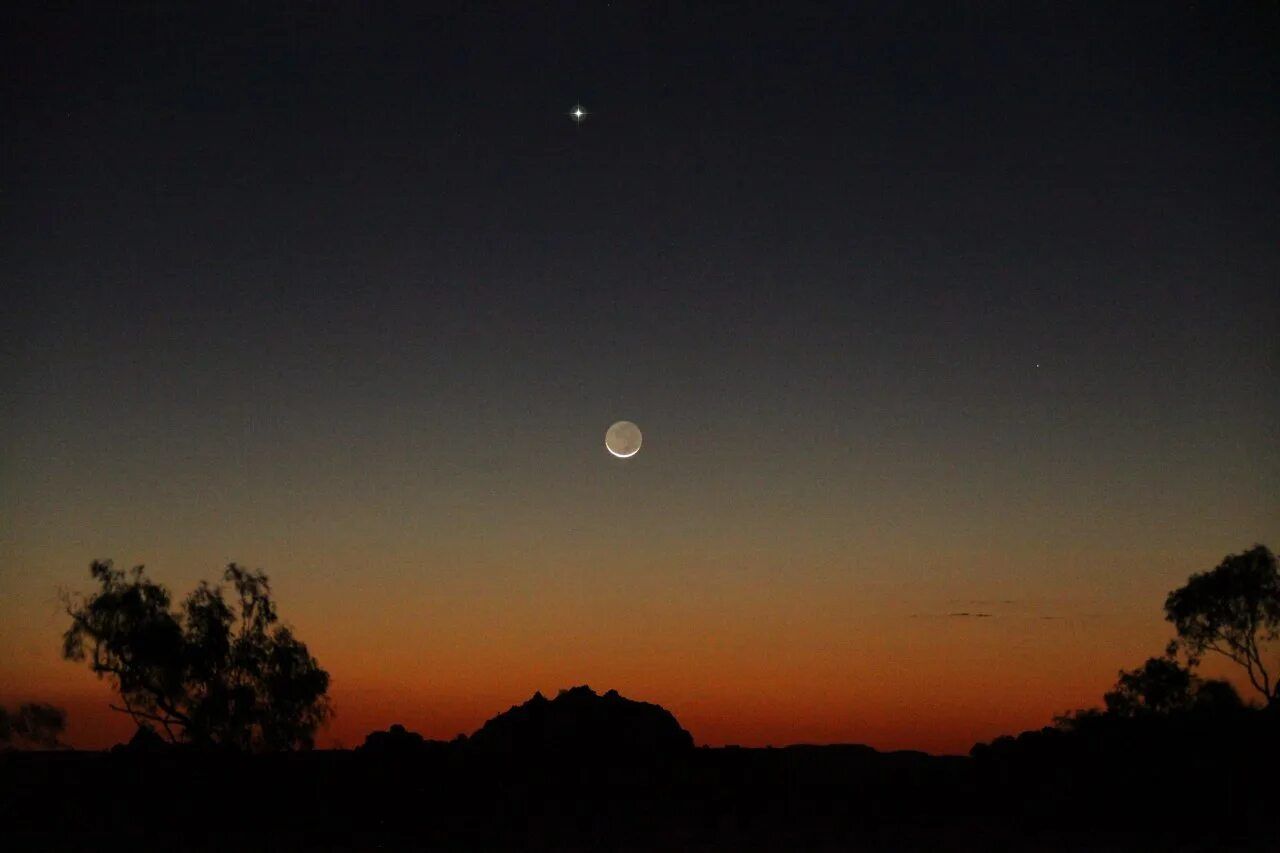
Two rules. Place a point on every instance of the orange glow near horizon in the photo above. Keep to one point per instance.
(819, 660)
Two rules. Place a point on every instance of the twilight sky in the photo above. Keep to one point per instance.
(922, 313)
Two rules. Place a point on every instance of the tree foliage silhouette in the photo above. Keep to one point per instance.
(1163, 686)
(32, 724)
(213, 672)
(1233, 610)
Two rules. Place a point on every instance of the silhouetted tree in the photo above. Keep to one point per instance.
(32, 724)
(1233, 610)
(1217, 695)
(1159, 686)
(1163, 686)
(213, 672)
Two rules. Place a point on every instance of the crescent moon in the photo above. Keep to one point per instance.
(623, 439)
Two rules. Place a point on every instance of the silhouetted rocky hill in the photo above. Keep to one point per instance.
(579, 721)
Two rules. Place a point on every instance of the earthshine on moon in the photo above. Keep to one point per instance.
(623, 439)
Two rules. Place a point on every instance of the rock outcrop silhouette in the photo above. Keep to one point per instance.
(145, 740)
(582, 723)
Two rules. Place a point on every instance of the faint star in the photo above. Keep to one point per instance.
(578, 113)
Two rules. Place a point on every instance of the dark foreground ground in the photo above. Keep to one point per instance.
(1128, 790)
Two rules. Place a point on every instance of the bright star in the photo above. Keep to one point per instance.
(578, 113)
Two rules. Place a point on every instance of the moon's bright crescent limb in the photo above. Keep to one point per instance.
(623, 439)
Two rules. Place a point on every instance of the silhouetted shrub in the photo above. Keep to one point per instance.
(32, 724)
(396, 740)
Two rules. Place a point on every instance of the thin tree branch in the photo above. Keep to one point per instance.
(1225, 653)
(1244, 662)
(1251, 648)
(136, 714)
(167, 729)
